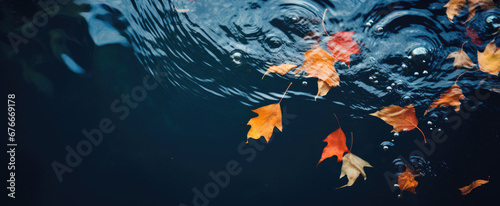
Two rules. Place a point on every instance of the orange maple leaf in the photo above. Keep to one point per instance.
(318, 63)
(453, 7)
(341, 45)
(336, 145)
(280, 69)
(467, 189)
(489, 60)
(268, 117)
(402, 119)
(407, 182)
(450, 97)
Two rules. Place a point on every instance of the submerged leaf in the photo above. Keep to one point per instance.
(263, 125)
(401, 119)
(407, 182)
(489, 60)
(467, 189)
(450, 97)
(352, 166)
(318, 63)
(341, 45)
(280, 69)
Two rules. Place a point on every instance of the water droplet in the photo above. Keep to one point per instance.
(404, 66)
(446, 119)
(429, 123)
(389, 88)
(405, 130)
(370, 78)
(304, 83)
(400, 196)
(431, 128)
(406, 98)
(392, 140)
(376, 73)
(393, 85)
(380, 29)
(396, 186)
(493, 22)
(375, 77)
(396, 134)
(385, 145)
(439, 129)
(376, 81)
(416, 73)
(237, 57)
(425, 72)
(369, 23)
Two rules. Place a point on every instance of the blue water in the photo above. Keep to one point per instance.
(176, 88)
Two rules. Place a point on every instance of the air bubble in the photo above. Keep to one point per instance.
(404, 66)
(400, 196)
(385, 145)
(396, 134)
(370, 78)
(304, 83)
(446, 119)
(237, 57)
(405, 130)
(439, 129)
(416, 73)
(389, 88)
(380, 29)
(393, 85)
(429, 123)
(376, 81)
(369, 23)
(396, 186)
(425, 72)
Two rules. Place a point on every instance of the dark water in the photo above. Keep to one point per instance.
(192, 79)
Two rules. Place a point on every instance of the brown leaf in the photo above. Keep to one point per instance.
(489, 60)
(453, 7)
(461, 59)
(407, 182)
(319, 63)
(280, 69)
(484, 4)
(467, 189)
(450, 97)
(352, 166)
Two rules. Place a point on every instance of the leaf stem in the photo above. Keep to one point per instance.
(464, 73)
(285, 92)
(425, 140)
(338, 122)
(323, 22)
(352, 140)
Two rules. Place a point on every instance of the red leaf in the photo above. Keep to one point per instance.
(341, 45)
(336, 145)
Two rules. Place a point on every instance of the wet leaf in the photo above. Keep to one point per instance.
(407, 182)
(263, 125)
(352, 166)
(461, 59)
(336, 145)
(341, 45)
(467, 189)
(450, 97)
(489, 60)
(402, 119)
(280, 69)
(319, 63)
(453, 7)
(475, 4)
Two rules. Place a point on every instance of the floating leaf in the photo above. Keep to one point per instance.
(453, 7)
(402, 119)
(450, 97)
(407, 182)
(484, 4)
(352, 166)
(336, 145)
(280, 69)
(461, 59)
(318, 63)
(341, 45)
(489, 60)
(467, 189)
(268, 117)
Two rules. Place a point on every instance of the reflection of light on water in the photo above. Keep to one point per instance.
(72, 65)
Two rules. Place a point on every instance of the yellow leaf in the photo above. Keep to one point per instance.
(281, 69)
(489, 60)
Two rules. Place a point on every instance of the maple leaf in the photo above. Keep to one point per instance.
(461, 59)
(489, 60)
(352, 166)
(407, 182)
(318, 63)
(453, 7)
(484, 4)
(450, 97)
(402, 119)
(336, 145)
(269, 116)
(341, 45)
(280, 69)
(467, 189)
